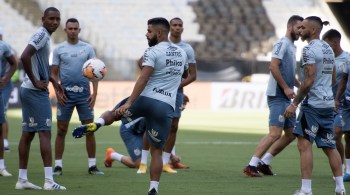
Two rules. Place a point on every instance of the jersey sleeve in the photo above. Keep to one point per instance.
(39, 40)
(7, 51)
(279, 49)
(149, 58)
(309, 56)
(92, 53)
(191, 58)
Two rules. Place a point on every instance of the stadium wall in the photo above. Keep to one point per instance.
(214, 96)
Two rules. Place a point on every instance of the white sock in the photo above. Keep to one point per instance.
(48, 174)
(22, 174)
(144, 156)
(92, 162)
(339, 183)
(2, 164)
(173, 151)
(154, 184)
(101, 121)
(267, 158)
(58, 163)
(254, 161)
(166, 158)
(6, 143)
(347, 161)
(306, 185)
(116, 156)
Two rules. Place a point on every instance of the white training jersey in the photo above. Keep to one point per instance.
(318, 52)
(340, 67)
(40, 60)
(168, 61)
(284, 50)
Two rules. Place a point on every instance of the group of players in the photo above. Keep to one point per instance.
(166, 67)
(324, 107)
(324, 79)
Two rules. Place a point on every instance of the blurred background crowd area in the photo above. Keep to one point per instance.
(232, 39)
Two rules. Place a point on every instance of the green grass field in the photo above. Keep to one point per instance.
(216, 146)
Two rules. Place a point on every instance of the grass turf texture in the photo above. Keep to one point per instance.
(216, 146)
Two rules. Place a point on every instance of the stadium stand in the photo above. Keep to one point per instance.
(231, 38)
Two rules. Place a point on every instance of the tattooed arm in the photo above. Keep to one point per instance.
(310, 76)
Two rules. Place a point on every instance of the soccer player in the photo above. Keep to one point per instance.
(5, 53)
(315, 119)
(176, 29)
(154, 94)
(342, 60)
(6, 93)
(68, 60)
(279, 94)
(36, 106)
(130, 131)
(342, 105)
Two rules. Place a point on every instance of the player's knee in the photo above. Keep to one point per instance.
(275, 135)
(61, 131)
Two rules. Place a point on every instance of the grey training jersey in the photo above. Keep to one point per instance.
(70, 59)
(340, 67)
(191, 58)
(168, 61)
(284, 50)
(346, 58)
(40, 60)
(318, 52)
(5, 52)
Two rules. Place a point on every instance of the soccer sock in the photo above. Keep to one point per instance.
(267, 158)
(166, 158)
(100, 121)
(92, 162)
(154, 184)
(173, 151)
(339, 184)
(2, 164)
(116, 156)
(22, 174)
(254, 161)
(144, 156)
(306, 185)
(48, 174)
(347, 161)
(58, 163)
(6, 143)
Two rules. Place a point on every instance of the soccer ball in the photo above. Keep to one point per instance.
(94, 69)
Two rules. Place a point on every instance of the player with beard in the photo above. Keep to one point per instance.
(342, 65)
(279, 93)
(154, 94)
(315, 119)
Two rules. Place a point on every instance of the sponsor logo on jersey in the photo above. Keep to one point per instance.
(328, 60)
(75, 89)
(278, 46)
(170, 62)
(162, 91)
(174, 53)
(38, 37)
